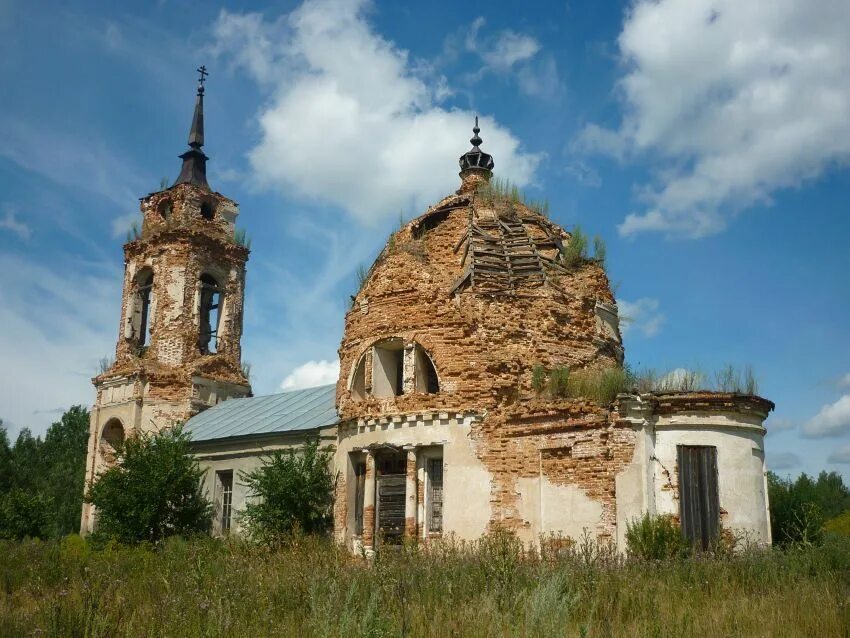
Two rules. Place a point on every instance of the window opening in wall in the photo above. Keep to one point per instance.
(225, 505)
(435, 494)
(111, 439)
(144, 290)
(359, 494)
(358, 381)
(207, 210)
(699, 501)
(165, 208)
(391, 485)
(388, 369)
(425, 372)
(210, 312)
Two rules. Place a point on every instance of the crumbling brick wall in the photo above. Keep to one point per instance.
(485, 344)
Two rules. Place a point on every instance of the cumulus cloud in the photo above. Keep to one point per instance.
(832, 420)
(735, 99)
(11, 223)
(351, 120)
(311, 374)
(508, 52)
(783, 461)
(839, 455)
(57, 323)
(642, 315)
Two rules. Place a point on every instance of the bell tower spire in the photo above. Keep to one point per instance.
(194, 170)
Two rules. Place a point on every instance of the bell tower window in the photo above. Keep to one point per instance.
(139, 316)
(207, 210)
(210, 314)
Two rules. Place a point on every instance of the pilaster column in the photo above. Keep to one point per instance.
(369, 503)
(410, 494)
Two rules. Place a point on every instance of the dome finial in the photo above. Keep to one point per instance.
(476, 140)
(476, 166)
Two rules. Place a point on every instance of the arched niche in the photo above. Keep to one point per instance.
(111, 438)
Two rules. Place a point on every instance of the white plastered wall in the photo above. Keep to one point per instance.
(466, 482)
(740, 469)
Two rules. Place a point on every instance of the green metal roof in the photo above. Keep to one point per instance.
(294, 411)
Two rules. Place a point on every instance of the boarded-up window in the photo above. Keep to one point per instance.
(359, 494)
(435, 495)
(699, 501)
(225, 483)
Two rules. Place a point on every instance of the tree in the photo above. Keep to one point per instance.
(153, 491)
(41, 481)
(799, 508)
(63, 459)
(291, 491)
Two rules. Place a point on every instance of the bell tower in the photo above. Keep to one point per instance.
(178, 349)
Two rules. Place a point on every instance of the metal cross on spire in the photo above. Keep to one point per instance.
(203, 72)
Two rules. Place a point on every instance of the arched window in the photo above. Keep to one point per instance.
(207, 210)
(425, 373)
(392, 370)
(111, 438)
(388, 368)
(210, 314)
(358, 380)
(139, 312)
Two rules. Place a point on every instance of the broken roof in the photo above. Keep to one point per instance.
(295, 411)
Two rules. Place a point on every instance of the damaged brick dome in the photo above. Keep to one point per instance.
(474, 292)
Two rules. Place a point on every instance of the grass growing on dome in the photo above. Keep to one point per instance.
(500, 191)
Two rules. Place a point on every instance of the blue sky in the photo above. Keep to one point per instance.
(705, 141)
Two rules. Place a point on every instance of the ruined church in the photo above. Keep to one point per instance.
(438, 421)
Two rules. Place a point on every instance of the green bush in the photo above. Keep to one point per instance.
(538, 378)
(655, 538)
(799, 508)
(291, 492)
(839, 525)
(574, 251)
(153, 491)
(559, 380)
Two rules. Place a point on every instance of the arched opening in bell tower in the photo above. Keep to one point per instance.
(210, 314)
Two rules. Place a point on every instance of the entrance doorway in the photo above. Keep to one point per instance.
(699, 500)
(391, 483)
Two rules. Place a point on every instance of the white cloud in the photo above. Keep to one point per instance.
(736, 99)
(642, 315)
(57, 323)
(584, 174)
(839, 455)
(122, 225)
(783, 461)
(312, 374)
(11, 223)
(504, 50)
(352, 120)
(515, 54)
(832, 420)
(779, 424)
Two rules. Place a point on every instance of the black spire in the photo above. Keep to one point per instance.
(475, 157)
(194, 169)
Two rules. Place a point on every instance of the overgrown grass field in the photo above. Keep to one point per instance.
(309, 587)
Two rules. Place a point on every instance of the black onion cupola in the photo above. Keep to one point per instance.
(476, 166)
(194, 170)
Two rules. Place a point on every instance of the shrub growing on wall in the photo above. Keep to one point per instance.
(292, 491)
(153, 491)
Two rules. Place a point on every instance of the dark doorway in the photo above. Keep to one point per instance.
(699, 501)
(392, 475)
